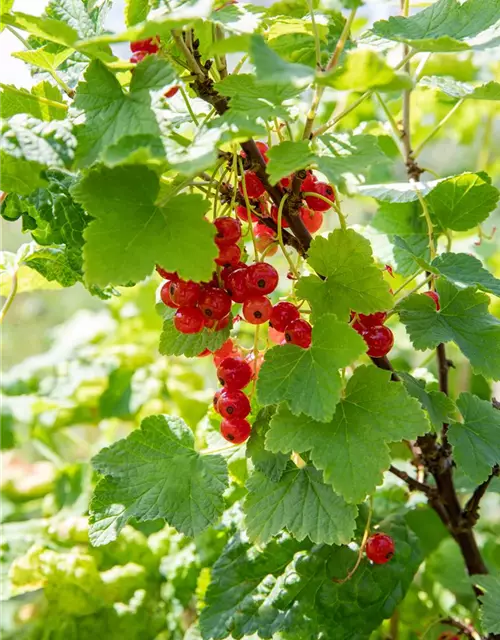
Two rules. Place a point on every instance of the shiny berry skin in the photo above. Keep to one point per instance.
(171, 92)
(215, 303)
(299, 332)
(233, 404)
(257, 309)
(167, 275)
(229, 255)
(215, 400)
(274, 216)
(323, 189)
(185, 293)
(236, 284)
(367, 321)
(379, 548)
(228, 349)
(309, 182)
(380, 341)
(228, 231)
(242, 214)
(236, 430)
(264, 237)
(312, 219)
(189, 320)
(283, 314)
(144, 45)
(234, 373)
(254, 186)
(262, 278)
(222, 323)
(434, 296)
(135, 58)
(165, 295)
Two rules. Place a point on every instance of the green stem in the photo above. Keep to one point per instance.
(249, 208)
(430, 226)
(280, 237)
(10, 297)
(339, 213)
(188, 106)
(393, 124)
(414, 290)
(407, 282)
(317, 44)
(438, 127)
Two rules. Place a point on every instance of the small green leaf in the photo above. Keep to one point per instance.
(175, 343)
(44, 102)
(353, 282)
(476, 440)
(308, 379)
(136, 11)
(490, 612)
(287, 157)
(465, 270)
(156, 473)
(270, 464)
(43, 58)
(271, 69)
(438, 405)
(463, 319)
(455, 89)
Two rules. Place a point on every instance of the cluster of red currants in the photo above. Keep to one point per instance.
(378, 337)
(142, 48)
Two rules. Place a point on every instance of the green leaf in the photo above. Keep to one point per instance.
(112, 114)
(352, 450)
(455, 89)
(438, 405)
(44, 102)
(396, 192)
(44, 58)
(299, 502)
(270, 464)
(130, 234)
(353, 282)
(447, 25)
(308, 379)
(476, 440)
(136, 11)
(463, 319)
(462, 202)
(287, 157)
(465, 270)
(271, 69)
(5, 7)
(490, 613)
(54, 264)
(156, 473)
(287, 587)
(20, 176)
(42, 27)
(175, 343)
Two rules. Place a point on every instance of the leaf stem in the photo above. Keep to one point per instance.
(394, 127)
(10, 297)
(341, 217)
(317, 43)
(430, 226)
(407, 282)
(188, 105)
(280, 237)
(249, 207)
(361, 547)
(442, 122)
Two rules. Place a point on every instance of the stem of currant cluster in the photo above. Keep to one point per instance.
(249, 208)
(280, 237)
(10, 297)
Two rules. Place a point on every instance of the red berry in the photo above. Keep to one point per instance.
(165, 295)
(185, 293)
(236, 430)
(274, 216)
(229, 255)
(168, 275)
(222, 323)
(237, 284)
(234, 373)
(312, 219)
(435, 297)
(262, 278)
(204, 353)
(367, 321)
(380, 341)
(189, 320)
(299, 332)
(323, 189)
(309, 181)
(227, 349)
(262, 147)
(228, 231)
(148, 45)
(242, 214)
(215, 303)
(286, 182)
(380, 548)
(216, 398)
(257, 309)
(283, 314)
(233, 404)
(278, 337)
(135, 58)
(264, 237)
(171, 92)
(254, 186)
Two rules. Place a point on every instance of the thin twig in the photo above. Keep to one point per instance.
(471, 510)
(361, 547)
(10, 297)
(413, 484)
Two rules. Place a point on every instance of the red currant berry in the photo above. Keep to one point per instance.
(165, 295)
(299, 332)
(234, 373)
(215, 400)
(312, 219)
(264, 237)
(257, 309)
(237, 285)
(254, 186)
(323, 189)
(371, 320)
(309, 182)
(135, 58)
(282, 315)
(262, 278)
(278, 337)
(242, 214)
(189, 320)
(233, 404)
(380, 341)
(222, 323)
(236, 430)
(185, 293)
(286, 182)
(435, 297)
(229, 255)
(168, 275)
(274, 216)
(228, 231)
(227, 350)
(215, 303)
(380, 548)
(148, 45)
(171, 92)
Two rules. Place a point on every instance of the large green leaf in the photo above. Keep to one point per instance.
(44, 102)
(455, 89)
(287, 157)
(136, 11)
(352, 450)
(465, 270)
(156, 473)
(299, 502)
(351, 281)
(270, 464)
(476, 440)
(490, 612)
(438, 405)
(308, 379)
(130, 234)
(271, 69)
(463, 319)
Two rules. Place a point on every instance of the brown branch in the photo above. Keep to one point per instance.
(470, 512)
(413, 484)
(467, 629)
(385, 363)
